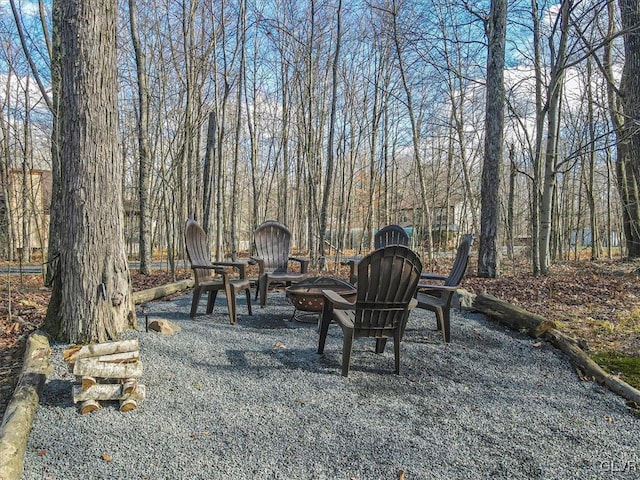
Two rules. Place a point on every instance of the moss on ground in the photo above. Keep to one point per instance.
(619, 364)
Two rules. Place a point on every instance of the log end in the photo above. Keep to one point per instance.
(88, 382)
(89, 406)
(128, 405)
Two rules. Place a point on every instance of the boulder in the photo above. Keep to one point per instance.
(164, 326)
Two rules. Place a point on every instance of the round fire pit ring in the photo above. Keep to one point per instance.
(306, 296)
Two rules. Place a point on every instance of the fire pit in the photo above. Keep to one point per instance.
(306, 296)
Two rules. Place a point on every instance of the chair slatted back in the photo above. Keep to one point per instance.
(460, 263)
(273, 244)
(390, 235)
(197, 250)
(387, 281)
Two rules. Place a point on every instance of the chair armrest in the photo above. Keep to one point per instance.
(353, 267)
(432, 276)
(337, 300)
(260, 262)
(437, 288)
(240, 265)
(442, 292)
(218, 269)
(350, 261)
(304, 263)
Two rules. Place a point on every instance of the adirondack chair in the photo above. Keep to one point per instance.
(437, 298)
(211, 277)
(389, 235)
(273, 254)
(387, 282)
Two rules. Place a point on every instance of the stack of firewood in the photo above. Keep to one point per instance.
(106, 372)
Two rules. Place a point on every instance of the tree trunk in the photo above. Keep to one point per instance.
(144, 174)
(489, 247)
(426, 211)
(233, 214)
(91, 294)
(537, 152)
(512, 316)
(328, 180)
(629, 142)
(553, 124)
(513, 172)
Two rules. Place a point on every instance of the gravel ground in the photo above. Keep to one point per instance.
(254, 401)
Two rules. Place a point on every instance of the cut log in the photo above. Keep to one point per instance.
(537, 326)
(125, 357)
(94, 368)
(513, 317)
(108, 391)
(18, 416)
(71, 352)
(89, 406)
(87, 382)
(128, 405)
(589, 368)
(129, 385)
(162, 291)
(97, 349)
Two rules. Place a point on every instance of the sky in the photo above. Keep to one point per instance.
(28, 7)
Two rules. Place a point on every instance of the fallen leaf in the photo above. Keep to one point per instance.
(279, 345)
(537, 344)
(106, 457)
(401, 475)
(42, 453)
(608, 418)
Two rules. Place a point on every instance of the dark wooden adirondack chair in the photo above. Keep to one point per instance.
(211, 277)
(437, 298)
(273, 254)
(389, 235)
(387, 282)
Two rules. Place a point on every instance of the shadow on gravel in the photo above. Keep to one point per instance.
(58, 394)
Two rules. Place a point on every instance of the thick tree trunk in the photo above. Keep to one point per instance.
(629, 164)
(91, 294)
(489, 247)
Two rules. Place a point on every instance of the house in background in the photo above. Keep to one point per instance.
(447, 222)
(25, 214)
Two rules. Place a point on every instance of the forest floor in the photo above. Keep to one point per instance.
(595, 301)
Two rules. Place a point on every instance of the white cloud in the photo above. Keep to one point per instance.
(28, 8)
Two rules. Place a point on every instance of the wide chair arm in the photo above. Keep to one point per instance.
(240, 266)
(337, 301)
(218, 269)
(304, 263)
(433, 276)
(444, 293)
(260, 262)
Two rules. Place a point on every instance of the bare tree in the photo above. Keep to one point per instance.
(626, 116)
(144, 170)
(91, 293)
(489, 248)
(331, 140)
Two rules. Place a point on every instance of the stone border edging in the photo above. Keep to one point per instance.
(18, 417)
